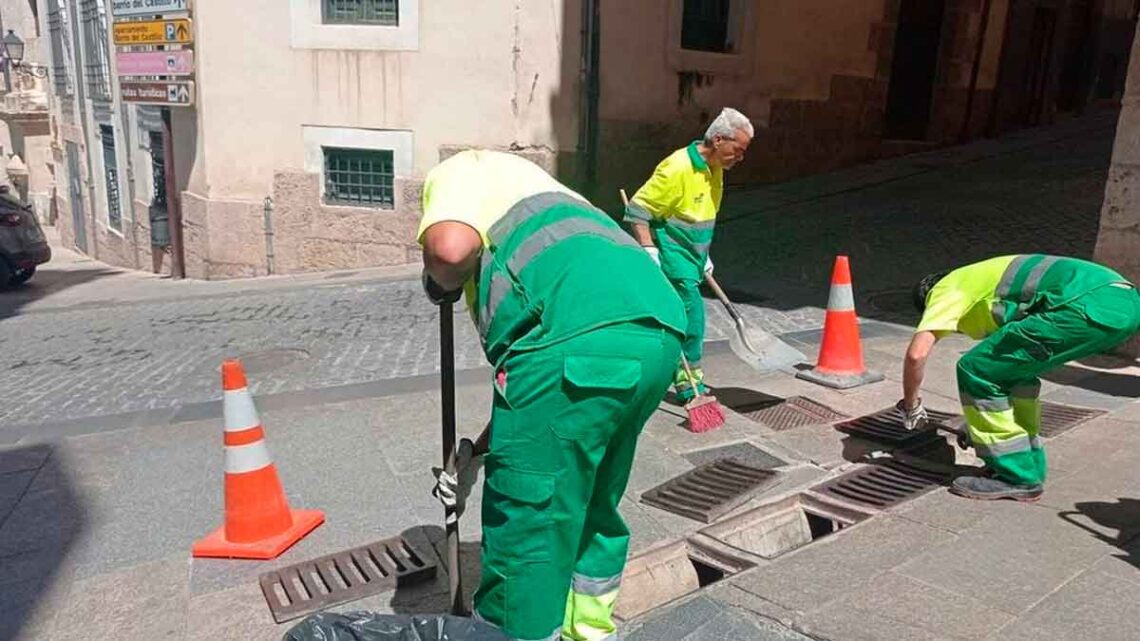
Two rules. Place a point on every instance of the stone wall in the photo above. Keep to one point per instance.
(1118, 243)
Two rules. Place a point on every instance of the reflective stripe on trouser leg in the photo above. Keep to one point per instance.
(690, 293)
(998, 438)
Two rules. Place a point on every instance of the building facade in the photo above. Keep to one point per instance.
(316, 120)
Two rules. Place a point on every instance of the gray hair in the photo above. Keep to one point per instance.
(728, 123)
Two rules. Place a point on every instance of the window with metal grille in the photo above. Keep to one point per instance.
(359, 177)
(111, 173)
(710, 25)
(59, 29)
(370, 12)
(93, 14)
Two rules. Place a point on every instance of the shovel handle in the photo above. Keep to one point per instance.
(723, 298)
(447, 406)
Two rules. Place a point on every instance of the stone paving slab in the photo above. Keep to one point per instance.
(1095, 605)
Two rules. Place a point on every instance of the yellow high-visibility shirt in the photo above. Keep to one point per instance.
(963, 300)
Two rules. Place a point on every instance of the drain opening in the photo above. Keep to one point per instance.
(668, 572)
(886, 426)
(711, 490)
(790, 413)
(772, 530)
(883, 485)
(1056, 419)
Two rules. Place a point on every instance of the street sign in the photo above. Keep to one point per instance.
(167, 94)
(154, 32)
(155, 63)
(131, 8)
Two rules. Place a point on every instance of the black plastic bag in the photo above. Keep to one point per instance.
(369, 626)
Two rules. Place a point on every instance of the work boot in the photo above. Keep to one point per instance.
(991, 489)
(684, 389)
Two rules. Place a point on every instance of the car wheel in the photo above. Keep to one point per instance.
(21, 276)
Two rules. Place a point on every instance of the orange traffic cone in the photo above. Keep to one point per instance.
(840, 363)
(259, 523)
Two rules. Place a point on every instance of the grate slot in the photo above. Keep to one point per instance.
(790, 413)
(1056, 419)
(887, 426)
(709, 490)
(305, 587)
(884, 485)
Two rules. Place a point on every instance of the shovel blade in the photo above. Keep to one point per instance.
(764, 352)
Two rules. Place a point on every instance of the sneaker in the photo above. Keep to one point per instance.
(991, 489)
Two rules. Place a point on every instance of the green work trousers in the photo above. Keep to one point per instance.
(998, 384)
(564, 429)
(693, 345)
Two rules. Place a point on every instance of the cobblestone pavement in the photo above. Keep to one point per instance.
(1037, 191)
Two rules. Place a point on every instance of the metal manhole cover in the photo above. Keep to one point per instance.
(790, 413)
(345, 576)
(271, 359)
(887, 426)
(883, 485)
(1057, 418)
(710, 490)
(745, 453)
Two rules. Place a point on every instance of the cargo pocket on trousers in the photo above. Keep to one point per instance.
(600, 388)
(522, 501)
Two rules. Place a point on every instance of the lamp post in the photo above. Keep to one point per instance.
(12, 51)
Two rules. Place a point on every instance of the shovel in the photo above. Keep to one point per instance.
(760, 349)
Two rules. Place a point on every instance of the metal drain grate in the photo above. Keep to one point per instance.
(710, 490)
(1057, 419)
(887, 426)
(345, 576)
(883, 484)
(790, 413)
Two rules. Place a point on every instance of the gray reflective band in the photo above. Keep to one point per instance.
(593, 586)
(1005, 285)
(500, 287)
(1033, 281)
(554, 636)
(1004, 448)
(684, 224)
(841, 299)
(1031, 391)
(637, 212)
(1036, 443)
(701, 248)
(998, 311)
(546, 237)
(985, 404)
(528, 207)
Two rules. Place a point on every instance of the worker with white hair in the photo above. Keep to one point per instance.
(672, 216)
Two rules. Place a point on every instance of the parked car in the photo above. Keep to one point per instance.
(22, 242)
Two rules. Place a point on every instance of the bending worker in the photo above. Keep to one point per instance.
(581, 362)
(1035, 313)
(672, 217)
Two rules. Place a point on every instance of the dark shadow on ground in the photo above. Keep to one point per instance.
(1122, 516)
(47, 282)
(413, 600)
(1122, 385)
(41, 518)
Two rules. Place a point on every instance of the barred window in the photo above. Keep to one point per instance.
(368, 12)
(59, 31)
(158, 170)
(111, 173)
(97, 47)
(359, 177)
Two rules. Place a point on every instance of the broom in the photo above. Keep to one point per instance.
(705, 413)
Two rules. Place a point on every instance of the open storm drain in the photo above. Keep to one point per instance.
(345, 576)
(1057, 419)
(887, 427)
(883, 485)
(790, 413)
(710, 490)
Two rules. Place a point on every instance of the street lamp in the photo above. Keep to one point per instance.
(12, 48)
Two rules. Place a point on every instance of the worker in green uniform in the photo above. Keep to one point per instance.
(1035, 313)
(672, 216)
(581, 361)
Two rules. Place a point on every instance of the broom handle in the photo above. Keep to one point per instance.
(447, 404)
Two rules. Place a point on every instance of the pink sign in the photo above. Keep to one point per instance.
(155, 63)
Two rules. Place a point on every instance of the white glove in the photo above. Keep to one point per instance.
(914, 418)
(708, 266)
(453, 491)
(654, 253)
